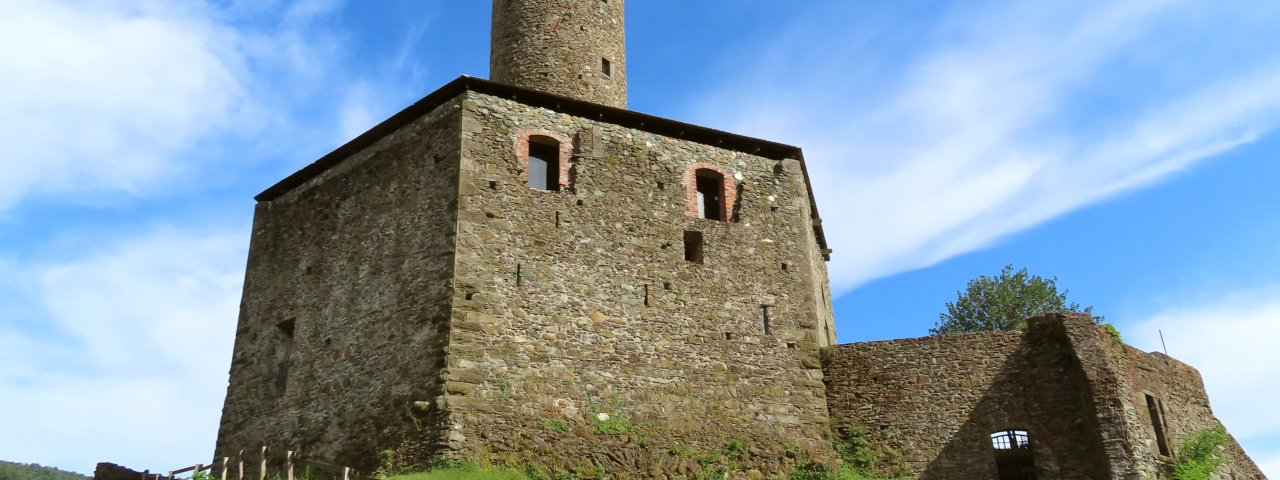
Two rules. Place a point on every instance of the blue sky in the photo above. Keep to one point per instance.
(1127, 148)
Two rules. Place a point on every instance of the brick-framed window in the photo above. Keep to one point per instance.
(544, 140)
(710, 192)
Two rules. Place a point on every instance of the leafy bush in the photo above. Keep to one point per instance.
(855, 449)
(1113, 332)
(1199, 455)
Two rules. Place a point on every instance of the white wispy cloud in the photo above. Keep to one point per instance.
(122, 98)
(127, 361)
(988, 121)
(96, 96)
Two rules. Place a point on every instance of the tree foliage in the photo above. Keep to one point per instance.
(1004, 302)
(31, 471)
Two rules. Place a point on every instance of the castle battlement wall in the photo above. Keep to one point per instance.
(1080, 397)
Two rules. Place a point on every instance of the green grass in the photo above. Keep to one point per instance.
(463, 473)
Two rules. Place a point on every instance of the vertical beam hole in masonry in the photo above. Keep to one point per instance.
(764, 318)
(1157, 423)
(284, 356)
(693, 246)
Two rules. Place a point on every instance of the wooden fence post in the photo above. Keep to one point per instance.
(346, 473)
(224, 467)
(262, 474)
(288, 460)
(240, 457)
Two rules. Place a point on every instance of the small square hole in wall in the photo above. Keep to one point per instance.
(666, 285)
(580, 203)
(773, 208)
(493, 184)
(786, 267)
(791, 345)
(661, 186)
(693, 246)
(728, 335)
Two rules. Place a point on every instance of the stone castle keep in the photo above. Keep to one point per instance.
(520, 269)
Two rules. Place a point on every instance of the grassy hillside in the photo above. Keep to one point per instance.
(24, 471)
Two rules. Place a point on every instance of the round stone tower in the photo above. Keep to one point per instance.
(575, 48)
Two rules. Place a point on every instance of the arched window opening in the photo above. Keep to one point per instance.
(544, 163)
(1013, 455)
(710, 188)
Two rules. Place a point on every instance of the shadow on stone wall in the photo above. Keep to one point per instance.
(1040, 388)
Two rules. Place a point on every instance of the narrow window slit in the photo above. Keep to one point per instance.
(557, 219)
(606, 66)
(764, 318)
(646, 296)
(693, 246)
(519, 280)
(1157, 423)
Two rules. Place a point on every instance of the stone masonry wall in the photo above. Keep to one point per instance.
(578, 305)
(936, 400)
(559, 46)
(356, 263)
(1184, 408)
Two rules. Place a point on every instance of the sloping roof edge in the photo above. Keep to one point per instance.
(617, 116)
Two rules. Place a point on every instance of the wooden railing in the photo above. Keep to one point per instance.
(236, 471)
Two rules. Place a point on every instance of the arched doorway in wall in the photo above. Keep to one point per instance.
(1014, 456)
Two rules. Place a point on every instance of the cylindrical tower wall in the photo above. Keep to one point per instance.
(575, 48)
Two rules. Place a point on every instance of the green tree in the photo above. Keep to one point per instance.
(1004, 302)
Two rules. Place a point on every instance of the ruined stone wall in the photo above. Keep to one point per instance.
(1183, 407)
(930, 404)
(111, 471)
(578, 304)
(560, 46)
(356, 263)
